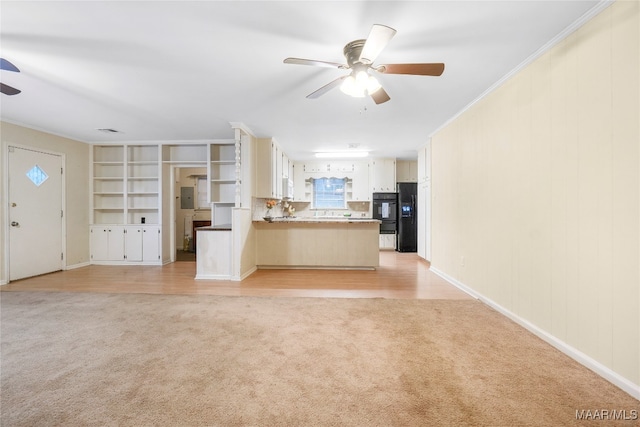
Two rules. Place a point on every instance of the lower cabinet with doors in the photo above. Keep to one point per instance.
(125, 244)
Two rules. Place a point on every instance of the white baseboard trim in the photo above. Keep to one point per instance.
(246, 274)
(585, 360)
(3, 282)
(80, 265)
(213, 277)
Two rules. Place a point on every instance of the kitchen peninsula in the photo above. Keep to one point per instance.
(310, 242)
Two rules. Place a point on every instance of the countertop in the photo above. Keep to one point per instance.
(322, 220)
(222, 227)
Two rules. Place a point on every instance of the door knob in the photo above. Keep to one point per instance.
(15, 224)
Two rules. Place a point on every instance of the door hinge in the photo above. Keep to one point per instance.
(61, 171)
(62, 256)
(61, 214)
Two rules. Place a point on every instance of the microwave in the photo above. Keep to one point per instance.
(287, 188)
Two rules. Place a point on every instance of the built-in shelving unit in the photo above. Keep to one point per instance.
(224, 180)
(187, 155)
(142, 184)
(131, 195)
(108, 184)
(125, 223)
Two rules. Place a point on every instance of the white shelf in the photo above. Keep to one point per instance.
(125, 184)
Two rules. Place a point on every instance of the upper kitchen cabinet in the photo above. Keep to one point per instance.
(406, 171)
(356, 174)
(272, 166)
(383, 175)
(360, 191)
(302, 184)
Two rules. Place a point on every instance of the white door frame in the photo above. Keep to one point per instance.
(5, 203)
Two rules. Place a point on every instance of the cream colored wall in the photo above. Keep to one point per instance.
(76, 190)
(536, 193)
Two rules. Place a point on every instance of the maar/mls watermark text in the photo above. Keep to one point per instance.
(607, 414)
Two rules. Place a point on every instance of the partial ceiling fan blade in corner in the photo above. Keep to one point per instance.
(8, 66)
(326, 88)
(314, 63)
(435, 69)
(8, 90)
(380, 96)
(378, 39)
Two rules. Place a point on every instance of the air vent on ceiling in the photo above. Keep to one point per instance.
(109, 130)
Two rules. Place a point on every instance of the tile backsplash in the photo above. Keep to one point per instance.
(303, 209)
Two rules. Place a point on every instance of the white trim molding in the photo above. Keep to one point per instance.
(597, 367)
(602, 5)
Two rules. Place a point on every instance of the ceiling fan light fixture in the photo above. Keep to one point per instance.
(351, 87)
(361, 85)
(373, 85)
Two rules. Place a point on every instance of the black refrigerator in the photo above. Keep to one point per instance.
(407, 236)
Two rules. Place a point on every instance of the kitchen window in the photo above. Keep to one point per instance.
(328, 193)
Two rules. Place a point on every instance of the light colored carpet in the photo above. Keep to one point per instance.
(114, 359)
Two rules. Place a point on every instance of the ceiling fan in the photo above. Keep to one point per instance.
(360, 55)
(8, 66)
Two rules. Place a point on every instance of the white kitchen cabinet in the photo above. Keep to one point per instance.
(151, 244)
(387, 241)
(317, 167)
(345, 167)
(361, 191)
(269, 169)
(107, 243)
(133, 244)
(301, 184)
(383, 175)
(119, 244)
(406, 171)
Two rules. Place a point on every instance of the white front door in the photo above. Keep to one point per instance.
(35, 212)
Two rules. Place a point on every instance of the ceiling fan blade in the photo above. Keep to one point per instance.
(314, 63)
(435, 69)
(378, 38)
(380, 96)
(8, 90)
(6, 65)
(326, 88)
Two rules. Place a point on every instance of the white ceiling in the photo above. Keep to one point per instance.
(182, 71)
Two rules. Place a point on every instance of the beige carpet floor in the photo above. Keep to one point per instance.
(75, 359)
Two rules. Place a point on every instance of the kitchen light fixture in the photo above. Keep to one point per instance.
(342, 154)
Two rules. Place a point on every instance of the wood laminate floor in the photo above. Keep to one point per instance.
(400, 276)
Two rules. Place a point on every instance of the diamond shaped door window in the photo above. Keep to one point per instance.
(37, 175)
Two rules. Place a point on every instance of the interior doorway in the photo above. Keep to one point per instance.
(36, 216)
(190, 210)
